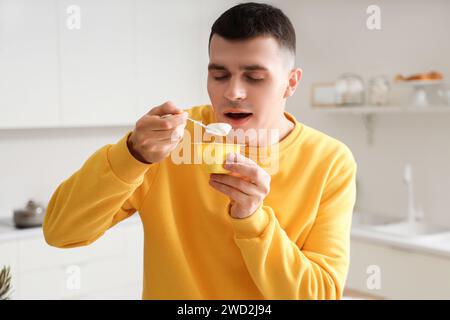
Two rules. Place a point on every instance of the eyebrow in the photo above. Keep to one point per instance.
(252, 67)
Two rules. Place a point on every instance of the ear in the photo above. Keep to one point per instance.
(295, 75)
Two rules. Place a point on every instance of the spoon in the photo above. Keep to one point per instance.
(218, 128)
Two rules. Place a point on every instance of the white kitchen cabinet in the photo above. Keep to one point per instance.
(94, 275)
(404, 274)
(98, 62)
(125, 58)
(31, 252)
(168, 52)
(131, 292)
(109, 268)
(28, 64)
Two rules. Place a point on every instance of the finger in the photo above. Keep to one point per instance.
(155, 122)
(233, 157)
(237, 183)
(152, 135)
(165, 108)
(163, 146)
(233, 193)
(149, 133)
(244, 170)
(247, 168)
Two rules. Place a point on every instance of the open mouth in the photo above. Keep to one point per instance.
(238, 115)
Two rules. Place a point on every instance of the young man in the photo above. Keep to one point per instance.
(249, 234)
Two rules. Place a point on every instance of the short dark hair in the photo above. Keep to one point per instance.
(250, 20)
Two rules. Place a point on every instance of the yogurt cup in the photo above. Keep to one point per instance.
(213, 155)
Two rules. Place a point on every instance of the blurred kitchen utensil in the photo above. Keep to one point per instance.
(30, 216)
(350, 89)
(422, 91)
(444, 95)
(378, 91)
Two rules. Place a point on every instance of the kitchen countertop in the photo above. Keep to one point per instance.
(10, 233)
(419, 244)
(435, 245)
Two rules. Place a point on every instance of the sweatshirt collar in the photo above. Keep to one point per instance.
(276, 149)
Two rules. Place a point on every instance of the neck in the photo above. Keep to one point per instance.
(284, 129)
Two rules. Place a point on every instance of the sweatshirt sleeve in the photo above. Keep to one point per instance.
(108, 188)
(318, 270)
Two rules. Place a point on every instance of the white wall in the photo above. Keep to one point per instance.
(332, 39)
(125, 59)
(34, 162)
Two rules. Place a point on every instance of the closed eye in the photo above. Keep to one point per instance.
(251, 79)
(248, 78)
(221, 77)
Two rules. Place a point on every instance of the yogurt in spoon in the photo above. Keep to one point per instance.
(217, 128)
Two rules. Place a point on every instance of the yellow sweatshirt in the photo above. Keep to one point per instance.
(295, 246)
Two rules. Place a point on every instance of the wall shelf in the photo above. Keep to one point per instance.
(366, 110)
(368, 113)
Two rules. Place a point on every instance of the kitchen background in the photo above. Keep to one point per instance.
(65, 92)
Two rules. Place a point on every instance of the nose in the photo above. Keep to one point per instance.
(235, 90)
